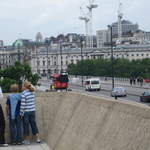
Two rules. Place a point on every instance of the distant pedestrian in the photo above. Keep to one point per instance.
(13, 112)
(141, 81)
(134, 81)
(138, 80)
(27, 112)
(131, 80)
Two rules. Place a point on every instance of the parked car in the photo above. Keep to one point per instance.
(147, 80)
(145, 97)
(118, 91)
(92, 84)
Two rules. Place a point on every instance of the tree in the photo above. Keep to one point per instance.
(102, 67)
(17, 74)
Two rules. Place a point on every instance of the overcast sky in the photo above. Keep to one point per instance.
(24, 18)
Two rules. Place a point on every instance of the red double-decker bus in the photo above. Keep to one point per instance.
(60, 81)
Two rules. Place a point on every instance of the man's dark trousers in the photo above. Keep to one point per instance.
(2, 126)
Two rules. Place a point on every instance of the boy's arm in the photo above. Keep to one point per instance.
(22, 107)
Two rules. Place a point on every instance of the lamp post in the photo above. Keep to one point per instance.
(81, 44)
(112, 57)
(60, 56)
(47, 61)
(19, 59)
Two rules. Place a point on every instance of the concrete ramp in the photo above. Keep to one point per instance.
(27, 147)
(73, 121)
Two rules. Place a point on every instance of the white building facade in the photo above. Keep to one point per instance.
(43, 62)
(48, 61)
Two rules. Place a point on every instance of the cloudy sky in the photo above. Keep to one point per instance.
(24, 18)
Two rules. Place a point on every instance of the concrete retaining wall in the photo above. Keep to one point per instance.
(72, 121)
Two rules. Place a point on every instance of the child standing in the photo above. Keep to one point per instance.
(27, 111)
(13, 111)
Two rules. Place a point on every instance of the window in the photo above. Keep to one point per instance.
(49, 71)
(38, 71)
(49, 63)
(43, 63)
(72, 61)
(142, 54)
(38, 63)
(44, 71)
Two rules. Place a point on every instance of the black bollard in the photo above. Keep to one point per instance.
(116, 97)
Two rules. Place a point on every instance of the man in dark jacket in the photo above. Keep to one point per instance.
(2, 126)
(2, 123)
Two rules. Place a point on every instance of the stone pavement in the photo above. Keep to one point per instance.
(42, 146)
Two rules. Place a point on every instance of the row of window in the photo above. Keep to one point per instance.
(65, 57)
(130, 55)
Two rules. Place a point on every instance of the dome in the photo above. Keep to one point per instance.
(39, 37)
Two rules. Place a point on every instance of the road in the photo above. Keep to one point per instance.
(133, 92)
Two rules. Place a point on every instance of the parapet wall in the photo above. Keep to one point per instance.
(73, 121)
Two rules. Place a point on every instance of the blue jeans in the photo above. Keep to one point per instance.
(16, 130)
(29, 120)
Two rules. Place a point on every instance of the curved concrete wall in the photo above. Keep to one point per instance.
(72, 121)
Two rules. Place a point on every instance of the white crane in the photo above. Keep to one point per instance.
(86, 20)
(90, 7)
(120, 16)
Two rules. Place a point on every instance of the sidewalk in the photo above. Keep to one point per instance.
(77, 81)
(127, 84)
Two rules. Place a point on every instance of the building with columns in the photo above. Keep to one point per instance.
(45, 61)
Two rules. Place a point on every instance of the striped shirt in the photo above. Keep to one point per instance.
(27, 102)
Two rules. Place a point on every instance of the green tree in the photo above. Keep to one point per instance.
(17, 74)
(102, 67)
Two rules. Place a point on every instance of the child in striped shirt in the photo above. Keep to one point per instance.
(27, 112)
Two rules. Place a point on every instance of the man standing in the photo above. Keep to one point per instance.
(2, 123)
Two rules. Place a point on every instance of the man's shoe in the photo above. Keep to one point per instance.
(19, 143)
(4, 145)
(38, 140)
(26, 142)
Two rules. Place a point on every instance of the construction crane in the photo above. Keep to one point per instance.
(90, 7)
(120, 16)
(86, 20)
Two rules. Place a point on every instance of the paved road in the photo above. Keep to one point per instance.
(104, 92)
(133, 91)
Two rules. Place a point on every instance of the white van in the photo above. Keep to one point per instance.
(92, 84)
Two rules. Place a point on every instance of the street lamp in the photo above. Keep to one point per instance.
(112, 57)
(19, 59)
(81, 44)
(60, 56)
(47, 49)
